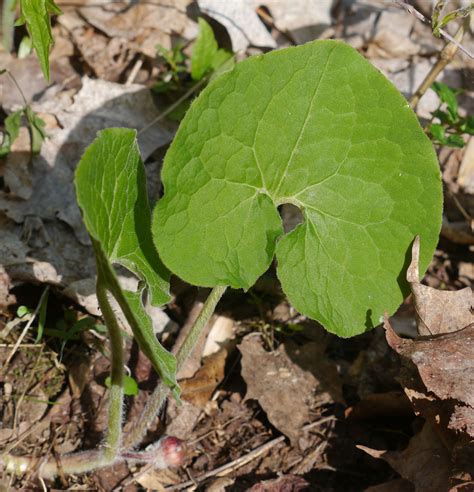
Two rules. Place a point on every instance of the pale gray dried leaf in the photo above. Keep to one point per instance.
(391, 38)
(466, 171)
(438, 311)
(425, 462)
(240, 19)
(289, 382)
(305, 20)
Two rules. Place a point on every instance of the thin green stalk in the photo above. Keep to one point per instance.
(158, 397)
(114, 434)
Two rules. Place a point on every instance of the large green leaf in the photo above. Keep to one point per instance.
(319, 127)
(111, 191)
(36, 14)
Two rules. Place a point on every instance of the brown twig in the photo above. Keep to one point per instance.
(445, 57)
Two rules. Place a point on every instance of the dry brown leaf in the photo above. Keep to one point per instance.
(285, 483)
(199, 389)
(438, 370)
(143, 25)
(438, 311)
(445, 363)
(289, 381)
(158, 479)
(425, 462)
(107, 57)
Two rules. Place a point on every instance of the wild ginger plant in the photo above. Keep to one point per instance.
(316, 126)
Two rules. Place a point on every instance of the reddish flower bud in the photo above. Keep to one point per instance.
(174, 450)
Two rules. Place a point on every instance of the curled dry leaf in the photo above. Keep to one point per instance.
(438, 311)
(438, 372)
(289, 381)
(438, 377)
(425, 462)
(445, 363)
(199, 389)
(240, 20)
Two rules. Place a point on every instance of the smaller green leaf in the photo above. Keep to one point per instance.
(448, 96)
(111, 192)
(23, 311)
(42, 315)
(36, 14)
(455, 14)
(52, 8)
(130, 386)
(12, 130)
(455, 141)
(437, 8)
(222, 61)
(204, 51)
(438, 132)
(467, 125)
(442, 116)
(36, 124)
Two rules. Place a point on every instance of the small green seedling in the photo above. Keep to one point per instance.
(315, 126)
(13, 123)
(183, 76)
(36, 15)
(451, 125)
(438, 21)
(130, 385)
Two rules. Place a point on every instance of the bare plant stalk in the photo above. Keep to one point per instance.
(445, 57)
(168, 451)
(158, 397)
(114, 433)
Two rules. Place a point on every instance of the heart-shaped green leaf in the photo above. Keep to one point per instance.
(319, 127)
(111, 191)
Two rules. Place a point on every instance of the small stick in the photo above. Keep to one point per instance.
(133, 74)
(445, 57)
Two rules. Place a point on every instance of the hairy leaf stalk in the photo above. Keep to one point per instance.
(114, 434)
(161, 392)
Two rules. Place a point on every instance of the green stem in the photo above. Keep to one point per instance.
(158, 397)
(114, 434)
